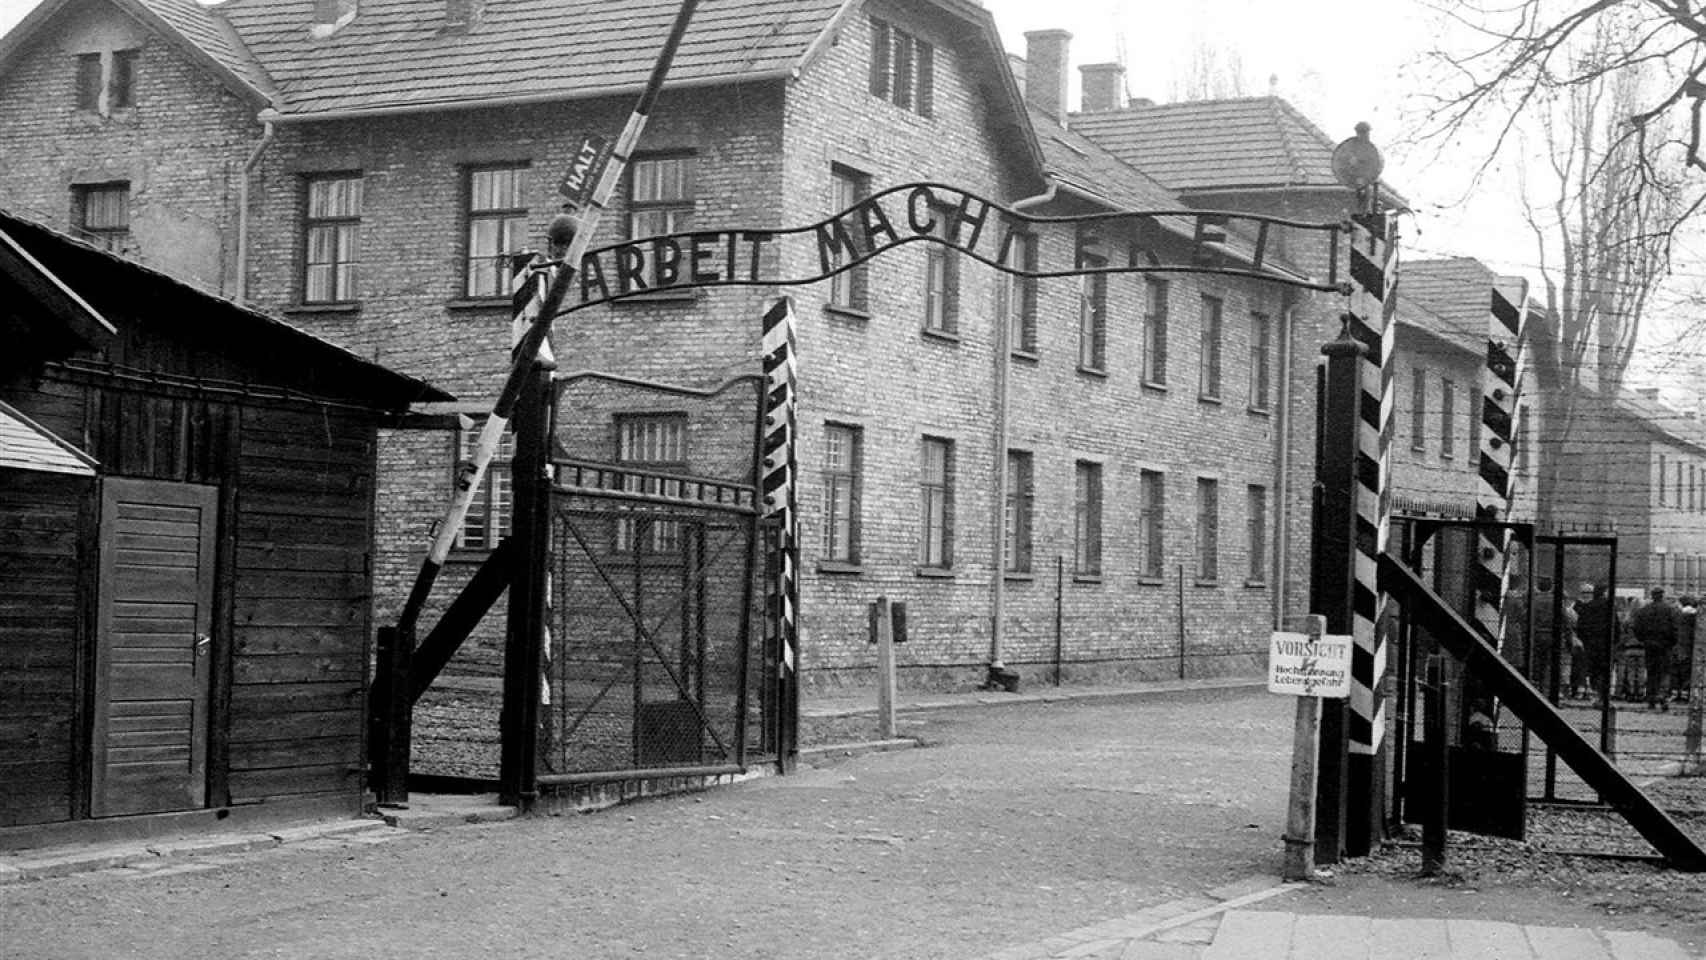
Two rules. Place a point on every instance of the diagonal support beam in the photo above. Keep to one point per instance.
(1504, 681)
(465, 613)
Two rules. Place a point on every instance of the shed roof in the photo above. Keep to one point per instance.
(118, 289)
(27, 445)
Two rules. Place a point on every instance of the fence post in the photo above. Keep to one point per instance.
(524, 644)
(1439, 759)
(882, 622)
(1305, 772)
(1333, 575)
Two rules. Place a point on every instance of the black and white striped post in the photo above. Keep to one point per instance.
(1372, 321)
(782, 591)
(1501, 383)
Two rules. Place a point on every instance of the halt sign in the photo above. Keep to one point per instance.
(1309, 665)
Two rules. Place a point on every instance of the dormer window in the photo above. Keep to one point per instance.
(903, 68)
(106, 81)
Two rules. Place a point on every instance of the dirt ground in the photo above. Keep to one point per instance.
(1011, 824)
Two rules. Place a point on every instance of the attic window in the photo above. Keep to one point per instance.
(106, 81)
(903, 68)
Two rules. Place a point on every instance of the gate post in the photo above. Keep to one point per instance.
(1374, 275)
(777, 344)
(524, 639)
(1332, 577)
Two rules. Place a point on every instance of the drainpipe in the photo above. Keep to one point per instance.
(1281, 564)
(242, 288)
(998, 525)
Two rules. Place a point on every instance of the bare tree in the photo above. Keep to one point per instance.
(1604, 234)
(1214, 72)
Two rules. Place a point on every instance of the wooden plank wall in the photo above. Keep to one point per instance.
(301, 603)
(41, 526)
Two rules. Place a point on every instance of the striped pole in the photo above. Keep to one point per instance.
(1372, 321)
(1500, 384)
(777, 344)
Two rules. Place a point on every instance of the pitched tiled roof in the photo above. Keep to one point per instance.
(1451, 298)
(401, 53)
(1086, 168)
(212, 35)
(1200, 145)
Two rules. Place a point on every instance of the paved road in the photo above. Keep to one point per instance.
(1014, 825)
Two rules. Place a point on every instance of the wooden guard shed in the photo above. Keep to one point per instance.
(186, 512)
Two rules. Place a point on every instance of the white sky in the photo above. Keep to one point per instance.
(1338, 61)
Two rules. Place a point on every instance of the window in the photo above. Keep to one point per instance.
(1261, 345)
(1208, 530)
(88, 81)
(1419, 410)
(490, 510)
(841, 455)
(903, 68)
(106, 82)
(1018, 295)
(1154, 331)
(1093, 316)
(1020, 502)
(1661, 485)
(936, 504)
(121, 90)
(1472, 453)
(1679, 484)
(660, 201)
(1087, 519)
(102, 215)
(656, 443)
(849, 290)
(497, 228)
(941, 281)
(331, 239)
(1257, 517)
(1447, 413)
(1208, 385)
(1151, 516)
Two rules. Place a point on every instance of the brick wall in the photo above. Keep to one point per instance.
(180, 147)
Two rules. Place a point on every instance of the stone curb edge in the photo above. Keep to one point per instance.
(68, 863)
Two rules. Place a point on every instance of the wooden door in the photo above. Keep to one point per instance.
(154, 623)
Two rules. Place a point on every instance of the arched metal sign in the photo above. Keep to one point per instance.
(1127, 241)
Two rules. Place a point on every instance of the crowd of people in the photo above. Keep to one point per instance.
(1645, 650)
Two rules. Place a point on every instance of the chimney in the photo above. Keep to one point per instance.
(461, 14)
(329, 16)
(1103, 85)
(1045, 71)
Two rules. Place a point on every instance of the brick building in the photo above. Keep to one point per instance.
(363, 166)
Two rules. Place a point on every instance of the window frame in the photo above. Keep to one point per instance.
(1093, 316)
(936, 505)
(121, 79)
(511, 218)
(1087, 508)
(1021, 512)
(1261, 361)
(664, 542)
(849, 291)
(1156, 291)
(113, 238)
(89, 81)
(1447, 413)
(343, 260)
(1210, 382)
(902, 68)
(1017, 295)
(941, 262)
(1419, 411)
(841, 493)
(1152, 524)
(1256, 533)
(494, 502)
(1208, 530)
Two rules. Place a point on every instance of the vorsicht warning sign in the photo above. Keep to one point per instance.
(1307, 666)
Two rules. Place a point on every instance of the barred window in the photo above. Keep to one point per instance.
(493, 504)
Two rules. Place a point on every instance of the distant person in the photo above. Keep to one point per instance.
(1654, 628)
(1596, 629)
(1682, 656)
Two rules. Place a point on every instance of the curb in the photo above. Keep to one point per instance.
(1050, 695)
(836, 751)
(52, 865)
